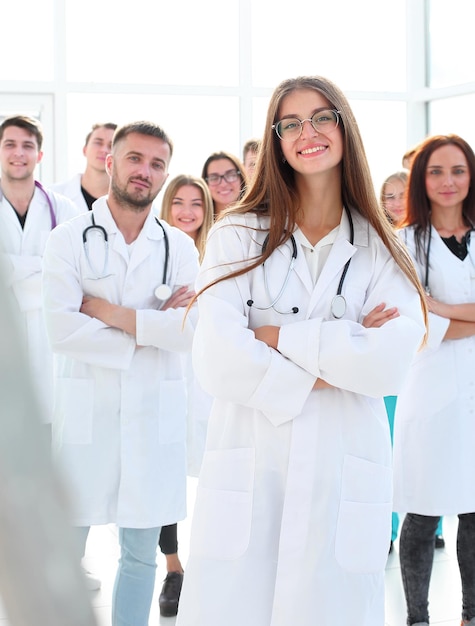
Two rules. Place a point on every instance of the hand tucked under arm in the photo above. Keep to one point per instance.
(110, 314)
(180, 298)
(268, 334)
(379, 316)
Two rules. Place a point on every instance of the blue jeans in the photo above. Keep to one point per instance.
(416, 552)
(135, 578)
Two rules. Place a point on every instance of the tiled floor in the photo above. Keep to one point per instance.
(102, 554)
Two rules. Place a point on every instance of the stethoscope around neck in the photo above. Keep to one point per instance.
(162, 292)
(338, 303)
(52, 215)
(50, 204)
(429, 240)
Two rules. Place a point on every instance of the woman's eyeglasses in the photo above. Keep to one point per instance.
(290, 128)
(231, 176)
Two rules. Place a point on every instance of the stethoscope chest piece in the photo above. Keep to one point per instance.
(338, 306)
(163, 292)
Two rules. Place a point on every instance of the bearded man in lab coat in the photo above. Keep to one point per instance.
(120, 411)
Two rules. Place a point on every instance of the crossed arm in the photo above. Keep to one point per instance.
(123, 317)
(461, 316)
(374, 319)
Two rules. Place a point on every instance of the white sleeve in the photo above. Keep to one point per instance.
(369, 361)
(229, 362)
(170, 329)
(70, 332)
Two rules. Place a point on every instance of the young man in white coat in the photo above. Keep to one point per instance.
(84, 189)
(116, 281)
(28, 213)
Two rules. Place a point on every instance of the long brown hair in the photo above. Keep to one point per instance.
(218, 156)
(273, 191)
(418, 206)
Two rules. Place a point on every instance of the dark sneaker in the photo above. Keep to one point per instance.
(170, 595)
(439, 541)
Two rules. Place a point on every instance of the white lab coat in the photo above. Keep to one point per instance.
(120, 414)
(72, 189)
(199, 408)
(292, 519)
(21, 252)
(435, 415)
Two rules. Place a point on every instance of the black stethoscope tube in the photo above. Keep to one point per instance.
(338, 305)
(102, 230)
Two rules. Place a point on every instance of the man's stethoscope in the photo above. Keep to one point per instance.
(50, 204)
(52, 215)
(338, 304)
(162, 292)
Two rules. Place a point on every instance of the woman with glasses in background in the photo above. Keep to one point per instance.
(224, 174)
(434, 434)
(310, 311)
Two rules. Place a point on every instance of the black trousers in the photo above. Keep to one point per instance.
(168, 541)
(416, 553)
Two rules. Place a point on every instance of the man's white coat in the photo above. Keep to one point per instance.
(21, 252)
(120, 411)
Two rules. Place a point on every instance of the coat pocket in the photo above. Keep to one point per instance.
(223, 509)
(364, 519)
(73, 411)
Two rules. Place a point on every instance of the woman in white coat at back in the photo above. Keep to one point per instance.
(187, 204)
(292, 520)
(435, 426)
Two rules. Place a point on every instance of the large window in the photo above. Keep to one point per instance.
(454, 115)
(451, 42)
(205, 70)
(153, 43)
(197, 125)
(27, 41)
(360, 45)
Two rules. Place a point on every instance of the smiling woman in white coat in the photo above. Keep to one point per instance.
(435, 425)
(310, 311)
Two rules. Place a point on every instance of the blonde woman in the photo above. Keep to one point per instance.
(186, 204)
(392, 197)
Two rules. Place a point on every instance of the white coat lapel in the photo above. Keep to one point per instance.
(103, 217)
(151, 232)
(471, 253)
(342, 250)
(301, 268)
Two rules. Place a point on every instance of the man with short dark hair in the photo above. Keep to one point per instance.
(28, 213)
(84, 189)
(117, 282)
